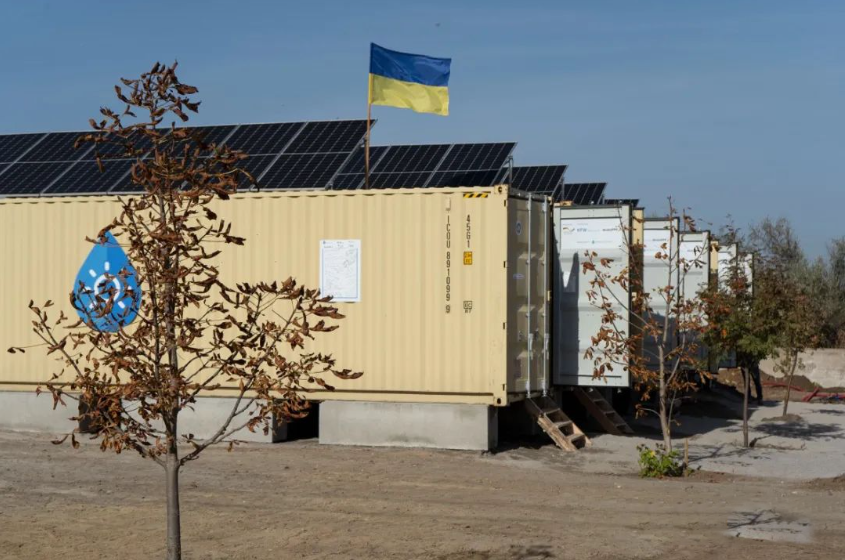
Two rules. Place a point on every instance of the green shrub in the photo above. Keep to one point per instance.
(658, 463)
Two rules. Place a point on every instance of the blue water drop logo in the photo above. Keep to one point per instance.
(106, 292)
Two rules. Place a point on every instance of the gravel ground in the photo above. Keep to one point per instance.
(304, 500)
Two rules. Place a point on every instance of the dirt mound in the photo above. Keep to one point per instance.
(835, 484)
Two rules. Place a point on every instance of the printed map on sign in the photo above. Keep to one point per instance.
(340, 269)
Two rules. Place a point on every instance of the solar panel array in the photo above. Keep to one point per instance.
(620, 201)
(300, 155)
(540, 179)
(583, 194)
(431, 165)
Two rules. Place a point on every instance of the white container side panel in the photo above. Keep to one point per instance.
(727, 260)
(527, 306)
(576, 320)
(695, 254)
(659, 236)
(747, 263)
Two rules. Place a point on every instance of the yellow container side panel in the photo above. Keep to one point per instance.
(637, 243)
(427, 328)
(43, 247)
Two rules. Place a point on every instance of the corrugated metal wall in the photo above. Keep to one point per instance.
(43, 246)
(417, 336)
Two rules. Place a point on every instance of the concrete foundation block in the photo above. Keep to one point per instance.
(28, 412)
(25, 411)
(209, 413)
(444, 426)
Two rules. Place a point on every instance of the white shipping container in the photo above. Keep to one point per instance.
(605, 231)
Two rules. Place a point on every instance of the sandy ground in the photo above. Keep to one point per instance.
(303, 500)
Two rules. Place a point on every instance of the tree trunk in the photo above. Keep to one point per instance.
(663, 411)
(174, 524)
(747, 389)
(789, 383)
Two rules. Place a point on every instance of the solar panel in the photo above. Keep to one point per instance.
(84, 177)
(116, 148)
(542, 179)
(257, 139)
(13, 145)
(356, 162)
(213, 134)
(621, 201)
(255, 165)
(284, 155)
(407, 159)
(432, 165)
(349, 181)
(463, 178)
(302, 171)
(57, 146)
(328, 137)
(584, 194)
(398, 180)
(476, 157)
(29, 178)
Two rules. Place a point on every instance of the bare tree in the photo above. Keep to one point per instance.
(194, 334)
(661, 347)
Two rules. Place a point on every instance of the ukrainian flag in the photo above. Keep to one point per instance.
(409, 81)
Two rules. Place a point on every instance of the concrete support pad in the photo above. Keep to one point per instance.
(211, 412)
(27, 412)
(444, 426)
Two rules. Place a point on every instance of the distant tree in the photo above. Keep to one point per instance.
(744, 322)
(194, 335)
(775, 241)
(829, 279)
(660, 348)
(777, 245)
(799, 332)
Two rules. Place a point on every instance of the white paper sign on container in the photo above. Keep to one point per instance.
(592, 234)
(340, 269)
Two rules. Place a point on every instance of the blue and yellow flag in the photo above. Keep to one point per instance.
(409, 81)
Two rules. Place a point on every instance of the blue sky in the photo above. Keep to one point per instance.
(733, 107)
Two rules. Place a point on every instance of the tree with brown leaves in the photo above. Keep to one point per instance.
(661, 347)
(150, 343)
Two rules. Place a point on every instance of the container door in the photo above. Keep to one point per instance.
(527, 285)
(605, 231)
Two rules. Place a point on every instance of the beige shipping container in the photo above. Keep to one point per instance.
(448, 294)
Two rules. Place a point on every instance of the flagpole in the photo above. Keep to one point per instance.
(367, 138)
